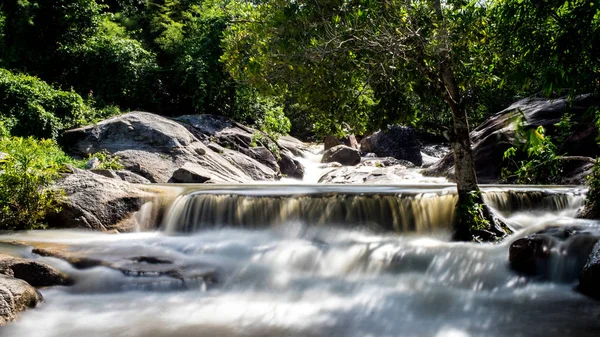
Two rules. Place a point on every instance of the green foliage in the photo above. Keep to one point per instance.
(260, 139)
(471, 210)
(29, 168)
(542, 163)
(107, 161)
(31, 107)
(593, 183)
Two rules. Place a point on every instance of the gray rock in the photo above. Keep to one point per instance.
(264, 156)
(361, 175)
(589, 279)
(290, 166)
(191, 173)
(150, 146)
(342, 154)
(96, 202)
(15, 296)
(251, 167)
(106, 173)
(92, 164)
(35, 273)
(131, 177)
(397, 141)
(292, 145)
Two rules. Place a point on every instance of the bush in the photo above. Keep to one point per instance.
(32, 107)
(29, 168)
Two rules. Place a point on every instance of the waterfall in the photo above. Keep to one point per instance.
(399, 209)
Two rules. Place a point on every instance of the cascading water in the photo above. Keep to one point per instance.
(309, 260)
(420, 209)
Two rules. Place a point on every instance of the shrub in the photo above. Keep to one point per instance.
(29, 168)
(32, 107)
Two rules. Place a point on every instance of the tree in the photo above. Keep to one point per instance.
(439, 48)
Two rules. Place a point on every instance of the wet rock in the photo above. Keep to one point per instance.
(361, 175)
(556, 254)
(399, 142)
(15, 296)
(95, 202)
(290, 167)
(589, 279)
(35, 273)
(494, 136)
(386, 162)
(128, 263)
(342, 154)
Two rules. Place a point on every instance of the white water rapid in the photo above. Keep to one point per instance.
(309, 260)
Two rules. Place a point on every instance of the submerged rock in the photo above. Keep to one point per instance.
(35, 273)
(399, 142)
(342, 154)
(15, 296)
(556, 254)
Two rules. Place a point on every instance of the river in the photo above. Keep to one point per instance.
(312, 260)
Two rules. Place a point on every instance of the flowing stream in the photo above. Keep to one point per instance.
(310, 260)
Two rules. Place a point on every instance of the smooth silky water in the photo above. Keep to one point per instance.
(314, 260)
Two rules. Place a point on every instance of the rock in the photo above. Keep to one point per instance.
(290, 167)
(386, 162)
(292, 145)
(92, 164)
(330, 141)
(151, 146)
(127, 262)
(106, 173)
(251, 167)
(264, 156)
(557, 253)
(399, 142)
(361, 175)
(342, 154)
(35, 273)
(191, 173)
(589, 279)
(131, 177)
(15, 296)
(493, 137)
(96, 202)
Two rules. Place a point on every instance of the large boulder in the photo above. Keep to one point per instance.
(493, 137)
(35, 273)
(589, 279)
(342, 154)
(399, 142)
(232, 136)
(151, 146)
(96, 202)
(15, 296)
